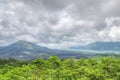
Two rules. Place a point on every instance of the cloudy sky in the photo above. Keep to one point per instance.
(59, 23)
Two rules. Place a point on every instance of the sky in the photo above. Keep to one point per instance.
(59, 23)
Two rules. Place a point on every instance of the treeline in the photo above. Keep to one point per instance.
(55, 69)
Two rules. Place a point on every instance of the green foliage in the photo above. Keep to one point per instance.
(53, 68)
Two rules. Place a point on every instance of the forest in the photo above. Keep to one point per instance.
(53, 68)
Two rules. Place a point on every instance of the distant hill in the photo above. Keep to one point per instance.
(27, 50)
(100, 46)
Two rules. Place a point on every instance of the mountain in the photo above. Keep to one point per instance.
(100, 46)
(27, 50)
(21, 50)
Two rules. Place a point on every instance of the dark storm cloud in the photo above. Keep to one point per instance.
(63, 23)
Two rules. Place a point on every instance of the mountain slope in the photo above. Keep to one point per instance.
(22, 49)
(102, 46)
(27, 50)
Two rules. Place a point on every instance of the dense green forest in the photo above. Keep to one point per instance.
(107, 68)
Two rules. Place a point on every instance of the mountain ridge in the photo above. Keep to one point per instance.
(102, 46)
(27, 50)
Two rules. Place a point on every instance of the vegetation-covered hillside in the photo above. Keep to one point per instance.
(56, 69)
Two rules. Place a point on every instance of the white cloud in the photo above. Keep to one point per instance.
(112, 31)
(62, 23)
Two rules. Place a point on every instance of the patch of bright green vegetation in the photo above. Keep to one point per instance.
(27, 53)
(107, 68)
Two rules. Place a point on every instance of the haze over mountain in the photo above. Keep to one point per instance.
(1, 47)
